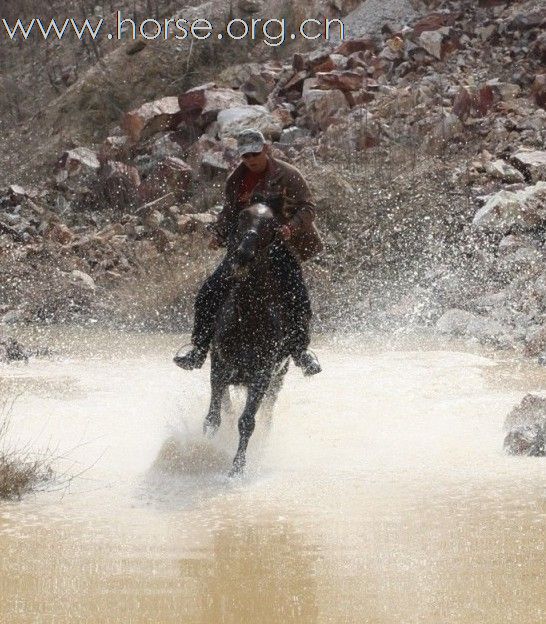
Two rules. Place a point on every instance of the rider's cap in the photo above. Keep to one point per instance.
(250, 140)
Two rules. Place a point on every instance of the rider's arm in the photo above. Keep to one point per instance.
(299, 195)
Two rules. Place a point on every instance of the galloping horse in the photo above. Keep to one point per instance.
(249, 346)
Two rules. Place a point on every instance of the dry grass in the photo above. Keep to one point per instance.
(21, 471)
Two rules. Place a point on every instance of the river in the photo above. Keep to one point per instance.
(381, 494)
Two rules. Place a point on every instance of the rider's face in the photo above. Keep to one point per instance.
(256, 161)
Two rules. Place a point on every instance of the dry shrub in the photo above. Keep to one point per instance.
(21, 471)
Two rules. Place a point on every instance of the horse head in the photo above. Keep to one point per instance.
(256, 230)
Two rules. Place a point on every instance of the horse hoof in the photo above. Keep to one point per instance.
(236, 470)
(210, 429)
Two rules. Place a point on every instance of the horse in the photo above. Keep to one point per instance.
(250, 342)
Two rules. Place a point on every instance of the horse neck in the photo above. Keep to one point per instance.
(258, 291)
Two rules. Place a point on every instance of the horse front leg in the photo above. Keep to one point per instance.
(213, 419)
(247, 422)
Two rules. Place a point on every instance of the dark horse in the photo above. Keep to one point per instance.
(249, 346)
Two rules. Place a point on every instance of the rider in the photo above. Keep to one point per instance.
(262, 178)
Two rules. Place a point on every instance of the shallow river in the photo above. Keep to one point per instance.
(381, 494)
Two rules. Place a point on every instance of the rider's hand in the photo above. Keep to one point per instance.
(285, 231)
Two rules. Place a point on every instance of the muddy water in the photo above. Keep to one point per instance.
(381, 494)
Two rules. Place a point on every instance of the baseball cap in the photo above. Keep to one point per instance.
(250, 140)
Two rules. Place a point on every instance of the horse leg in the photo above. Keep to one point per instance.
(271, 395)
(247, 422)
(213, 418)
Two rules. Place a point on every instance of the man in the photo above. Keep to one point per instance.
(262, 178)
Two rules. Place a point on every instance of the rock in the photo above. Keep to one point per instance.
(164, 240)
(488, 331)
(14, 316)
(371, 16)
(524, 210)
(322, 106)
(525, 428)
(213, 157)
(348, 80)
(523, 261)
(532, 161)
(433, 22)
(292, 134)
(350, 46)
(233, 120)
(257, 88)
(17, 193)
(431, 41)
(170, 174)
(197, 222)
(169, 144)
(250, 6)
(82, 279)
(513, 242)
(283, 116)
(152, 117)
(201, 105)
(11, 350)
(462, 104)
(501, 170)
(114, 148)
(454, 322)
(116, 187)
(80, 163)
(538, 90)
(535, 342)
(58, 233)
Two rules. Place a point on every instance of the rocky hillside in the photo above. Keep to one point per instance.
(422, 135)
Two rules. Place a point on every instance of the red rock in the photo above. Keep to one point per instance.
(117, 186)
(152, 117)
(343, 80)
(326, 66)
(433, 21)
(357, 98)
(114, 148)
(350, 46)
(202, 104)
(58, 233)
(318, 59)
(295, 82)
(298, 62)
(462, 104)
(538, 90)
(483, 100)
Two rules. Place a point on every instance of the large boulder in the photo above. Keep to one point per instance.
(533, 162)
(462, 323)
(322, 106)
(80, 164)
(201, 105)
(506, 210)
(525, 428)
(233, 120)
(151, 117)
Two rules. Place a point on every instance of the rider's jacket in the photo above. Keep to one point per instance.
(286, 192)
